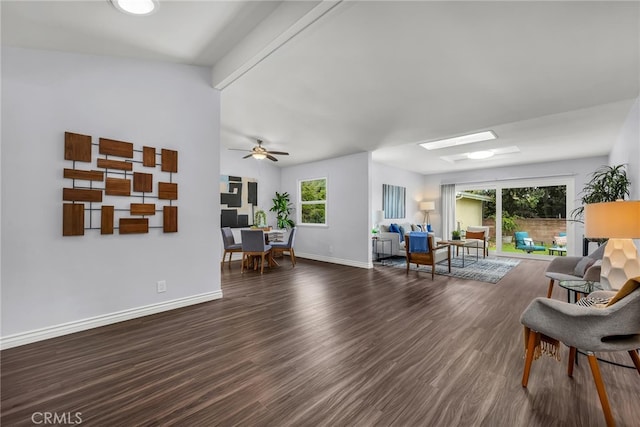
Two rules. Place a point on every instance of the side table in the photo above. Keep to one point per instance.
(379, 245)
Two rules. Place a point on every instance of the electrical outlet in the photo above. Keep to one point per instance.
(162, 286)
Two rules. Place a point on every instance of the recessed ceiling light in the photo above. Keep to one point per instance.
(136, 7)
(479, 155)
(459, 140)
(498, 153)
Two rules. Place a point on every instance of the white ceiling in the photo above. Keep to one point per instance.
(556, 79)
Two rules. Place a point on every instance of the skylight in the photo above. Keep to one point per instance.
(459, 140)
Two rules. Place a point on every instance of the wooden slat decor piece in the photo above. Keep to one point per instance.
(142, 182)
(134, 225)
(81, 195)
(167, 191)
(169, 160)
(116, 148)
(77, 147)
(142, 209)
(115, 164)
(149, 157)
(170, 219)
(72, 219)
(118, 187)
(84, 175)
(106, 220)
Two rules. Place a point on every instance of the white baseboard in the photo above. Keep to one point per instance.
(29, 337)
(349, 262)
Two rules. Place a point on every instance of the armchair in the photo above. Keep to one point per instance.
(429, 255)
(525, 243)
(575, 268)
(615, 327)
(481, 235)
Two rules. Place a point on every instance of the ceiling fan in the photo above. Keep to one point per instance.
(259, 152)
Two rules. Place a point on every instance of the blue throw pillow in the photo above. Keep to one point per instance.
(393, 228)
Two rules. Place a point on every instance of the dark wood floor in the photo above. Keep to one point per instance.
(319, 345)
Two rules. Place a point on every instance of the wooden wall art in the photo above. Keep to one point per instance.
(112, 183)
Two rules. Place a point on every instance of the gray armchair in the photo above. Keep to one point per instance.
(574, 268)
(612, 328)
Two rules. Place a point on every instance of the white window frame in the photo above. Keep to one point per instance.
(316, 202)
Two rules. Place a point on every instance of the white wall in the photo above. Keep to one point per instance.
(579, 169)
(53, 284)
(414, 184)
(627, 149)
(346, 238)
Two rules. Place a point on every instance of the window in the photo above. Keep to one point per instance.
(313, 201)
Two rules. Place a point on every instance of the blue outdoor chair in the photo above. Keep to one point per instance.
(525, 243)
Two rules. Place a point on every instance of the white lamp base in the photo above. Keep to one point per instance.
(619, 263)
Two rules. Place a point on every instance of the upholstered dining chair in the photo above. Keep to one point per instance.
(253, 246)
(425, 255)
(230, 245)
(281, 247)
(614, 327)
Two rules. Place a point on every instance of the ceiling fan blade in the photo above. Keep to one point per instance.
(247, 156)
(238, 149)
(270, 157)
(282, 153)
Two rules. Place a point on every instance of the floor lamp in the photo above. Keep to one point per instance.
(426, 207)
(619, 222)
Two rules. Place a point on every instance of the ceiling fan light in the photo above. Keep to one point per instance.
(259, 156)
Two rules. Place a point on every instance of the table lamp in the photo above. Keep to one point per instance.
(619, 222)
(426, 207)
(377, 218)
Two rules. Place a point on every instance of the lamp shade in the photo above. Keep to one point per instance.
(613, 220)
(427, 206)
(378, 217)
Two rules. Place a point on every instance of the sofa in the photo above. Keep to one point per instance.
(398, 245)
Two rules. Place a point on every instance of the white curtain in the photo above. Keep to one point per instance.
(448, 195)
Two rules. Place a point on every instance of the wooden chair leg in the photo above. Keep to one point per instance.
(597, 378)
(244, 262)
(293, 257)
(262, 264)
(635, 358)
(433, 268)
(572, 360)
(531, 346)
(550, 290)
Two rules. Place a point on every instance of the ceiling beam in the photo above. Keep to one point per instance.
(289, 19)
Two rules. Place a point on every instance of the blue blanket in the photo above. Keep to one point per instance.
(418, 242)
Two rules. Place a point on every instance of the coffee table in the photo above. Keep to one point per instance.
(464, 244)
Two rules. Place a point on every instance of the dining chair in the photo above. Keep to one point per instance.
(230, 245)
(254, 246)
(281, 247)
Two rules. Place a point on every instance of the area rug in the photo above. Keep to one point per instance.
(489, 270)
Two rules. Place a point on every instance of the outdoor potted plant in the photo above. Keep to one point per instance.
(282, 208)
(508, 227)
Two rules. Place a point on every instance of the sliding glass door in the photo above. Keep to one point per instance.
(525, 217)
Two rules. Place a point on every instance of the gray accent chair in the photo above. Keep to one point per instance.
(280, 247)
(568, 268)
(253, 246)
(230, 245)
(592, 329)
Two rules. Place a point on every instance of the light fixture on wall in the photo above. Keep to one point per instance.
(427, 207)
(136, 7)
(619, 222)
